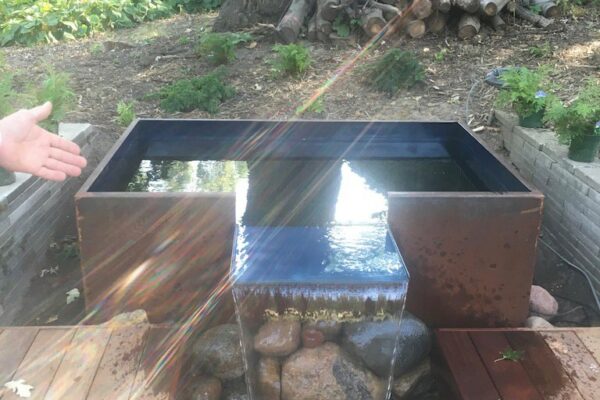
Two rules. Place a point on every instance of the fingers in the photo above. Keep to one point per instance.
(51, 175)
(42, 112)
(63, 167)
(67, 157)
(64, 144)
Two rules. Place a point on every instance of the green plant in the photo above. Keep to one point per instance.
(523, 90)
(56, 89)
(205, 93)
(7, 92)
(341, 25)
(219, 48)
(96, 49)
(511, 355)
(578, 118)
(316, 106)
(184, 40)
(535, 8)
(292, 59)
(542, 51)
(440, 56)
(395, 70)
(125, 112)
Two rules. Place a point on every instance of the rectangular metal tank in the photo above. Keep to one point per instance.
(463, 220)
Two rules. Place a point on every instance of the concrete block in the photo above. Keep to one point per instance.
(27, 206)
(75, 132)
(506, 119)
(8, 193)
(543, 162)
(589, 173)
(517, 144)
(561, 177)
(535, 137)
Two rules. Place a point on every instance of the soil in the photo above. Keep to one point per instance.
(131, 64)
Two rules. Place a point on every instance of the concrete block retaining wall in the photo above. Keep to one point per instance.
(31, 211)
(572, 191)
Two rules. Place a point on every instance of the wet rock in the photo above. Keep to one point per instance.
(410, 382)
(327, 372)
(373, 343)
(136, 317)
(535, 322)
(218, 352)
(269, 379)
(278, 338)
(331, 329)
(542, 302)
(207, 388)
(312, 338)
(235, 390)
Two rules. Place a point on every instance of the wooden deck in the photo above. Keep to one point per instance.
(558, 364)
(90, 362)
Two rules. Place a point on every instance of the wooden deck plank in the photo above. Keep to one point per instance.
(42, 361)
(117, 370)
(158, 373)
(14, 345)
(471, 379)
(544, 369)
(510, 378)
(579, 363)
(591, 339)
(78, 368)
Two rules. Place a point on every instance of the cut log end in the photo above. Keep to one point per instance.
(421, 9)
(436, 22)
(468, 26)
(416, 28)
(373, 22)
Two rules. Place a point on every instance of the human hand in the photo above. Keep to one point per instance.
(26, 147)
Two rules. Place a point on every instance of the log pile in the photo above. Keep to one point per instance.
(321, 19)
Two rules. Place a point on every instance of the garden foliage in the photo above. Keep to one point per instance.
(27, 22)
(292, 59)
(521, 90)
(219, 48)
(394, 71)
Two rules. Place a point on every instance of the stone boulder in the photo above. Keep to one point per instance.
(278, 338)
(218, 352)
(541, 302)
(331, 329)
(408, 383)
(207, 388)
(373, 343)
(534, 322)
(325, 373)
(269, 379)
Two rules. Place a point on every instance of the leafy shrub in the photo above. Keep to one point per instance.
(204, 93)
(396, 70)
(219, 48)
(541, 51)
(7, 92)
(125, 112)
(32, 21)
(56, 89)
(292, 59)
(523, 90)
(578, 118)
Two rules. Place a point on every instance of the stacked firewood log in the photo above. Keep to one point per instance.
(318, 18)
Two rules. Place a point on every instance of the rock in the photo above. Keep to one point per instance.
(327, 372)
(373, 343)
(312, 338)
(408, 382)
(535, 322)
(207, 388)
(218, 352)
(331, 329)
(235, 390)
(542, 302)
(278, 338)
(136, 317)
(269, 379)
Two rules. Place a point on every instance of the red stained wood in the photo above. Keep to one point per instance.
(510, 377)
(468, 373)
(14, 345)
(542, 366)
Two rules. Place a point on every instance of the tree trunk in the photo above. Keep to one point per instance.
(527, 15)
(442, 5)
(324, 29)
(373, 22)
(311, 30)
(497, 23)
(329, 9)
(416, 28)
(549, 8)
(238, 14)
(492, 7)
(469, 6)
(468, 26)
(436, 22)
(421, 8)
(291, 23)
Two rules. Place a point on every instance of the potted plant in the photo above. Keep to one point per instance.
(578, 123)
(522, 90)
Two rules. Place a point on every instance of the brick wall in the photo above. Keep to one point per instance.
(572, 191)
(31, 211)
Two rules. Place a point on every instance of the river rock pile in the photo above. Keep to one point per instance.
(323, 360)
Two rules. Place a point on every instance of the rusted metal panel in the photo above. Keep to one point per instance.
(470, 256)
(165, 253)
